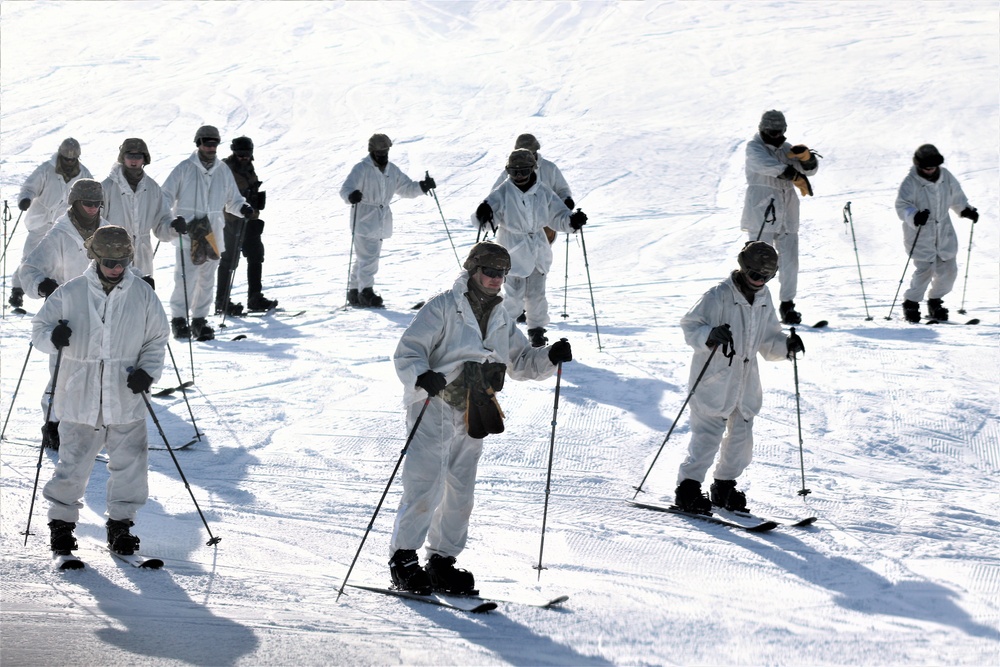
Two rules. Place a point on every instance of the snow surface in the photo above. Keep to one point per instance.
(645, 107)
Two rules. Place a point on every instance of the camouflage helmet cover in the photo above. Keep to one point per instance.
(133, 145)
(521, 158)
(527, 141)
(109, 242)
(70, 148)
(758, 257)
(206, 132)
(379, 142)
(86, 189)
(489, 254)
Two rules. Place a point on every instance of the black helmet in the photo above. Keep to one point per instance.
(927, 156)
(758, 258)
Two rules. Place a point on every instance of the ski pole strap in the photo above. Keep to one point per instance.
(769, 215)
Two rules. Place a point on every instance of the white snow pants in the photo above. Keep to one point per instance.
(528, 295)
(939, 273)
(367, 252)
(787, 246)
(439, 481)
(200, 280)
(735, 435)
(128, 455)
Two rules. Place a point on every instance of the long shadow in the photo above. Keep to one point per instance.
(641, 397)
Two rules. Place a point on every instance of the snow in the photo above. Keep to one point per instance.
(645, 107)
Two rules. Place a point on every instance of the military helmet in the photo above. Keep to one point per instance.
(489, 254)
(70, 148)
(521, 158)
(928, 156)
(109, 242)
(758, 258)
(527, 141)
(773, 120)
(379, 142)
(86, 189)
(133, 145)
(206, 132)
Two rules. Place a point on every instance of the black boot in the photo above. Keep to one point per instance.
(180, 328)
(788, 313)
(232, 310)
(352, 297)
(936, 310)
(258, 303)
(61, 538)
(726, 495)
(16, 299)
(911, 311)
(50, 435)
(447, 578)
(201, 331)
(406, 573)
(369, 299)
(688, 497)
(537, 337)
(119, 539)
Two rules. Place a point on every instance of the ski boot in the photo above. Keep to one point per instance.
(119, 539)
(50, 436)
(406, 573)
(369, 299)
(352, 297)
(911, 311)
(16, 299)
(258, 303)
(725, 494)
(788, 313)
(201, 331)
(936, 310)
(180, 328)
(232, 310)
(537, 337)
(688, 497)
(61, 539)
(522, 318)
(446, 578)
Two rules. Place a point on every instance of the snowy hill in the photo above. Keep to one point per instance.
(646, 108)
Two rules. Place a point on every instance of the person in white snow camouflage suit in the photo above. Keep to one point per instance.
(369, 189)
(518, 211)
(43, 197)
(737, 316)
(452, 360)
(112, 331)
(922, 203)
(775, 169)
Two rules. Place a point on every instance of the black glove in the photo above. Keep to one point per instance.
(60, 335)
(354, 197)
(570, 204)
(720, 335)
(484, 213)
(149, 281)
(432, 382)
(560, 351)
(789, 173)
(24, 204)
(247, 211)
(428, 184)
(920, 217)
(139, 381)
(971, 213)
(578, 219)
(179, 225)
(47, 287)
(794, 344)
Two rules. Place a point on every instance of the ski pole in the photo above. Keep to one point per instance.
(12, 230)
(798, 414)
(145, 399)
(908, 257)
(180, 385)
(566, 279)
(638, 489)
(41, 447)
(16, 389)
(586, 263)
(769, 216)
(3, 258)
(965, 283)
(434, 193)
(849, 220)
(232, 270)
(187, 306)
(381, 500)
(350, 254)
(548, 476)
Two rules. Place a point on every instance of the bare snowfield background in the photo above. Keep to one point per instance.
(646, 108)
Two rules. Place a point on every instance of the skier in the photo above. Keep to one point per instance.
(241, 164)
(134, 201)
(738, 315)
(106, 322)
(775, 169)
(369, 189)
(58, 258)
(44, 196)
(452, 359)
(925, 196)
(518, 211)
(199, 190)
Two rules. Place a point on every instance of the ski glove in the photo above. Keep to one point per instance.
(428, 184)
(24, 204)
(432, 382)
(247, 211)
(47, 287)
(800, 152)
(971, 213)
(570, 204)
(920, 217)
(794, 344)
(60, 335)
(560, 351)
(484, 213)
(720, 335)
(578, 219)
(179, 225)
(139, 381)
(354, 197)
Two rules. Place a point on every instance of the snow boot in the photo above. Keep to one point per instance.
(201, 331)
(16, 299)
(352, 297)
(258, 303)
(369, 299)
(688, 497)
(180, 328)
(788, 313)
(50, 436)
(406, 573)
(446, 578)
(120, 540)
(725, 494)
(936, 310)
(232, 310)
(537, 337)
(911, 311)
(522, 318)
(61, 536)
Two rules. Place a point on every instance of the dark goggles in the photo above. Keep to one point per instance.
(520, 172)
(211, 143)
(91, 204)
(492, 273)
(134, 156)
(772, 133)
(759, 277)
(110, 263)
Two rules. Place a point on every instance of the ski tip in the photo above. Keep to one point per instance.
(151, 564)
(557, 601)
(418, 306)
(240, 337)
(484, 607)
(808, 521)
(974, 320)
(820, 324)
(763, 527)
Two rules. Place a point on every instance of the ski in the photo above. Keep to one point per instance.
(280, 313)
(820, 324)
(930, 320)
(67, 560)
(757, 526)
(169, 390)
(135, 560)
(176, 447)
(550, 603)
(791, 523)
(467, 604)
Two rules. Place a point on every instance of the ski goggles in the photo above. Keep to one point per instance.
(759, 277)
(134, 156)
(110, 263)
(91, 204)
(492, 273)
(520, 172)
(211, 143)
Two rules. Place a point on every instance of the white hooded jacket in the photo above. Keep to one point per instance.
(764, 164)
(111, 332)
(374, 217)
(60, 255)
(445, 334)
(141, 212)
(48, 192)
(193, 192)
(937, 237)
(726, 387)
(549, 174)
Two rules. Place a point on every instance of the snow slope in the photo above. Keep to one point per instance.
(645, 107)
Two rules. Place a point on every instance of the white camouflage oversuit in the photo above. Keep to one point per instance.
(141, 212)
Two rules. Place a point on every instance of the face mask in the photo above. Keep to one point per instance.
(381, 158)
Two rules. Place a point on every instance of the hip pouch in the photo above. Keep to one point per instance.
(483, 414)
(203, 244)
